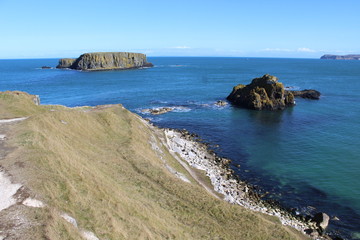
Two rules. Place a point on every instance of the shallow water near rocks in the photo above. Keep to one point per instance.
(307, 156)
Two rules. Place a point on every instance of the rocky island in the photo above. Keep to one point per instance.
(262, 93)
(341, 57)
(105, 61)
(266, 93)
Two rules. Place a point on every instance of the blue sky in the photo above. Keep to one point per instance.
(257, 28)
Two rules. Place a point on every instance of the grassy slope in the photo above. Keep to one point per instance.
(97, 165)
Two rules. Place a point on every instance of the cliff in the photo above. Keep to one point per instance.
(264, 93)
(105, 61)
(104, 173)
(66, 62)
(341, 57)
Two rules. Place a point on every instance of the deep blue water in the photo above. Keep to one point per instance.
(308, 156)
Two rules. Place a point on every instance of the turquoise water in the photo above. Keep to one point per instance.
(307, 156)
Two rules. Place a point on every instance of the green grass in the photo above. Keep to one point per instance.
(100, 169)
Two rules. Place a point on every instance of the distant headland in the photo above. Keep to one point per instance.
(341, 57)
(105, 61)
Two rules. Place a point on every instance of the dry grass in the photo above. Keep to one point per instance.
(98, 166)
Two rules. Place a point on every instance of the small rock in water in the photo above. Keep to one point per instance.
(307, 93)
(221, 103)
(157, 111)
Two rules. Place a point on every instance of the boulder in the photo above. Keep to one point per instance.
(321, 220)
(307, 93)
(264, 93)
(312, 233)
(105, 61)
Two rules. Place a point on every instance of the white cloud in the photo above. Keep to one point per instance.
(181, 47)
(305, 50)
(276, 50)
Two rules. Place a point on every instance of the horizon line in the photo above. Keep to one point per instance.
(36, 58)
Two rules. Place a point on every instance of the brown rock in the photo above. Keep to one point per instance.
(307, 93)
(105, 61)
(262, 93)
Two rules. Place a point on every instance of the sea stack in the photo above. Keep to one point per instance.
(105, 61)
(264, 93)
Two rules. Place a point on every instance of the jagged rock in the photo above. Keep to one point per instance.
(105, 61)
(221, 103)
(262, 93)
(158, 111)
(321, 220)
(307, 93)
(66, 62)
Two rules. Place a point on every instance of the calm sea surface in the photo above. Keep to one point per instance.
(307, 156)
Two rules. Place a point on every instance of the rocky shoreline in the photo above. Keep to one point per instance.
(235, 191)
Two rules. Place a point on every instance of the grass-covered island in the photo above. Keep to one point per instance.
(104, 173)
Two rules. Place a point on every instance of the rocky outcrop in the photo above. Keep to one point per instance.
(341, 57)
(158, 111)
(262, 93)
(162, 110)
(105, 61)
(307, 93)
(66, 62)
(221, 103)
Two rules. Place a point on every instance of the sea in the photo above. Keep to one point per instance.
(306, 157)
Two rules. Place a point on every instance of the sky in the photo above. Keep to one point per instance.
(227, 28)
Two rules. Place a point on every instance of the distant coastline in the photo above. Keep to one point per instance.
(341, 57)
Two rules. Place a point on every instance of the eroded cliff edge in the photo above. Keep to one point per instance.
(105, 61)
